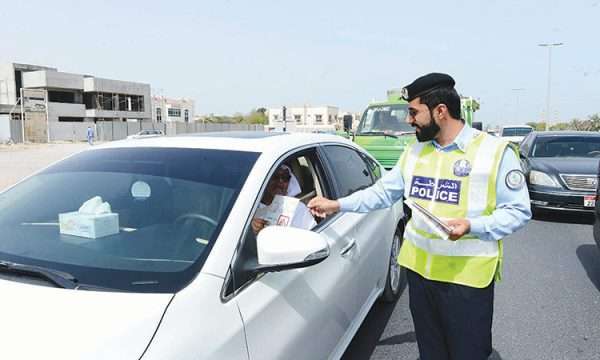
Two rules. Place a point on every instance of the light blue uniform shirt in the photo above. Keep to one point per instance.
(513, 209)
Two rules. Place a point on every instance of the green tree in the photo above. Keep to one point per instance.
(594, 122)
(560, 127)
(256, 118)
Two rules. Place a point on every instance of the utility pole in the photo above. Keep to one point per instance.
(22, 117)
(284, 118)
(549, 46)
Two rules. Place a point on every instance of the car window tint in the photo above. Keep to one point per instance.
(349, 169)
(566, 146)
(373, 167)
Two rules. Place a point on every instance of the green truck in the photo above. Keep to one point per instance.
(384, 132)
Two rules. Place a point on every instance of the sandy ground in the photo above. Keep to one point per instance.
(18, 161)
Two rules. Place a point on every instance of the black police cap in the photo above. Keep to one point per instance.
(425, 84)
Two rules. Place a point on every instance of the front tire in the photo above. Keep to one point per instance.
(395, 281)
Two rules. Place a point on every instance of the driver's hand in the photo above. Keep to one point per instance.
(258, 224)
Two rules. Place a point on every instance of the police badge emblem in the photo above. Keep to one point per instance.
(404, 94)
(462, 167)
(515, 179)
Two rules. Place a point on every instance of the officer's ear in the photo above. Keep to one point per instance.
(441, 110)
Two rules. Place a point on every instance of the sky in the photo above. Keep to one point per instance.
(232, 56)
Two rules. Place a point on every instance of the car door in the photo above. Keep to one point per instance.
(298, 313)
(372, 234)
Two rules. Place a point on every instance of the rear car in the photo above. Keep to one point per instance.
(146, 134)
(515, 133)
(560, 168)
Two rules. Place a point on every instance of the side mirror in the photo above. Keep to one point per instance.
(282, 248)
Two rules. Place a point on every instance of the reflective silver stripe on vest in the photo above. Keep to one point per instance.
(480, 175)
(462, 247)
(410, 164)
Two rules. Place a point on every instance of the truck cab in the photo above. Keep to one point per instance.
(384, 132)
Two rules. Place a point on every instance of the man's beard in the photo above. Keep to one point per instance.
(428, 132)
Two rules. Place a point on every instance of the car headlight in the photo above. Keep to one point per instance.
(541, 178)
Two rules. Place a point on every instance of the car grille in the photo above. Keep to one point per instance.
(580, 182)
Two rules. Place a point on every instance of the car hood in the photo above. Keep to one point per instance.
(566, 165)
(40, 322)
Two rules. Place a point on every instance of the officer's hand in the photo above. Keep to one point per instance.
(460, 227)
(258, 224)
(322, 207)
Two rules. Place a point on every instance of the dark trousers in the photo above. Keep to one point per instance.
(452, 322)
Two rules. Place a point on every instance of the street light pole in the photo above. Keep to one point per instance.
(517, 104)
(549, 46)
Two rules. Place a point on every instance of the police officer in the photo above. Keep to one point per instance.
(474, 182)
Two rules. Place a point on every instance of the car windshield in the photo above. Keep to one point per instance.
(385, 118)
(169, 203)
(566, 146)
(516, 131)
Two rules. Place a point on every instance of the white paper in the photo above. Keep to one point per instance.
(286, 211)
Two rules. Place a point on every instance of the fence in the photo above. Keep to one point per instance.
(16, 131)
(109, 131)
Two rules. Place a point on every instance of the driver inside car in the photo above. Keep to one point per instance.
(284, 183)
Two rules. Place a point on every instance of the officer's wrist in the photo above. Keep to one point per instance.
(476, 226)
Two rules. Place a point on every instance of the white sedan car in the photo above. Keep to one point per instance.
(145, 250)
(146, 134)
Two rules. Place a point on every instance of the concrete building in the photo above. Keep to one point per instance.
(172, 110)
(304, 118)
(75, 97)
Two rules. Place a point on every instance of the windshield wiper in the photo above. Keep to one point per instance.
(59, 278)
(379, 133)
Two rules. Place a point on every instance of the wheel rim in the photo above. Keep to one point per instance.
(394, 266)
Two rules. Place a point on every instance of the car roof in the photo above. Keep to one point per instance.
(566, 133)
(252, 141)
(516, 126)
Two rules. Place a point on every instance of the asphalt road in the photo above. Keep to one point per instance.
(546, 307)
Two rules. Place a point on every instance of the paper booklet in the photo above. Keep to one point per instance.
(435, 223)
(286, 211)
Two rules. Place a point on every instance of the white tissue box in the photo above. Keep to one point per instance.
(88, 225)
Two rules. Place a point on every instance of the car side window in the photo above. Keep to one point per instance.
(526, 144)
(308, 182)
(349, 170)
(373, 167)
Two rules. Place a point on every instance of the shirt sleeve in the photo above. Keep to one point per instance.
(384, 193)
(513, 208)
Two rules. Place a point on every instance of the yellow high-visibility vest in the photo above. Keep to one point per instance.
(452, 184)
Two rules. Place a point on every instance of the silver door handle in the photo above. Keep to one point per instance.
(351, 245)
